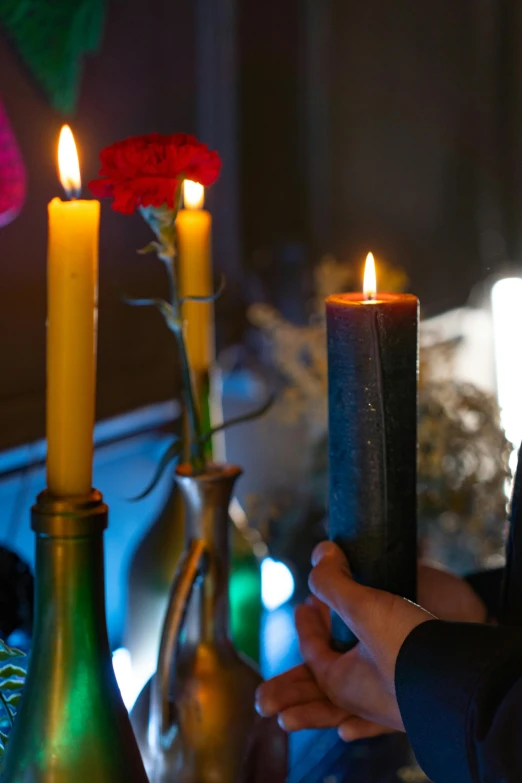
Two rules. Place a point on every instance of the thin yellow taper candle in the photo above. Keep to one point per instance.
(194, 227)
(72, 293)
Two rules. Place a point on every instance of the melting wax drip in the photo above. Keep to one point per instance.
(12, 172)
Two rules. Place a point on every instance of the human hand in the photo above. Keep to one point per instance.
(448, 597)
(354, 691)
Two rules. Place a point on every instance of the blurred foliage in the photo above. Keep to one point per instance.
(12, 679)
(463, 452)
(463, 468)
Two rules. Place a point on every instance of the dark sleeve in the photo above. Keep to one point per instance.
(488, 586)
(459, 689)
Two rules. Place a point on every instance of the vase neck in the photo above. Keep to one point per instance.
(70, 596)
(207, 498)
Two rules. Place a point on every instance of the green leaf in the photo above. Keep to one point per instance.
(164, 308)
(11, 671)
(172, 454)
(152, 247)
(162, 221)
(239, 420)
(212, 298)
(6, 708)
(12, 684)
(9, 652)
(13, 699)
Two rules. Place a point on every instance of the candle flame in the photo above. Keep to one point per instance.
(193, 194)
(68, 164)
(370, 278)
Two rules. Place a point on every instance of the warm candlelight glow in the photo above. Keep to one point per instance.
(193, 194)
(370, 279)
(68, 164)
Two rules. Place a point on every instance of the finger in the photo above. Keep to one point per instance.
(354, 728)
(268, 692)
(314, 641)
(330, 549)
(331, 581)
(273, 698)
(322, 608)
(313, 715)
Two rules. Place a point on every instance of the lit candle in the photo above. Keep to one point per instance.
(372, 396)
(72, 291)
(194, 226)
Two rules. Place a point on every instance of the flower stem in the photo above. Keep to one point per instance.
(196, 449)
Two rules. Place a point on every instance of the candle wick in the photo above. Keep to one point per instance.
(72, 193)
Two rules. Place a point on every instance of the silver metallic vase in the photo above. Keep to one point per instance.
(195, 720)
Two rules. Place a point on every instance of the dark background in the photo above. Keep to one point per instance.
(386, 125)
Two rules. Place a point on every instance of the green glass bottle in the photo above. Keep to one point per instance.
(245, 584)
(246, 550)
(72, 725)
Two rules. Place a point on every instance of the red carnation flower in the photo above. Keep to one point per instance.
(145, 171)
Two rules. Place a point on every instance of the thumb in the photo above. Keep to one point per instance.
(332, 582)
(380, 620)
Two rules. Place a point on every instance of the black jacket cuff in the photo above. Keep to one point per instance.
(447, 677)
(488, 586)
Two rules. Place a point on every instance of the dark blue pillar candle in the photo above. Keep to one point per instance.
(372, 399)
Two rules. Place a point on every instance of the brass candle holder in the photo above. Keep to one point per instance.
(72, 724)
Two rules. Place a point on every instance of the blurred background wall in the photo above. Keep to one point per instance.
(391, 126)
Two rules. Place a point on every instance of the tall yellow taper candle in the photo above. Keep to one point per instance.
(72, 293)
(194, 226)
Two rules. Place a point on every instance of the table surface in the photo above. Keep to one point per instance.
(321, 757)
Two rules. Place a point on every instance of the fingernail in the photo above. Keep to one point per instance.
(321, 550)
(345, 734)
(262, 708)
(281, 722)
(259, 701)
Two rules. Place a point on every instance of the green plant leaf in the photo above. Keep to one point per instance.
(172, 454)
(9, 670)
(239, 420)
(6, 708)
(152, 247)
(12, 684)
(12, 679)
(9, 652)
(162, 221)
(212, 298)
(164, 308)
